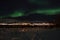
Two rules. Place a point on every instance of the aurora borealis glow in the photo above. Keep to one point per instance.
(40, 2)
(17, 14)
(46, 7)
(46, 12)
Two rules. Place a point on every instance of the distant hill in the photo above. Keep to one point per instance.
(36, 17)
(30, 18)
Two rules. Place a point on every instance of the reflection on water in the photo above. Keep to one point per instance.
(16, 34)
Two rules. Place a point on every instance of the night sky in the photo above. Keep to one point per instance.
(26, 5)
(16, 8)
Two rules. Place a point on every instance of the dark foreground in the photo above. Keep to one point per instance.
(31, 33)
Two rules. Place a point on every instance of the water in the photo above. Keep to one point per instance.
(16, 34)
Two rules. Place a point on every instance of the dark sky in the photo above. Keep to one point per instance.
(11, 5)
(7, 7)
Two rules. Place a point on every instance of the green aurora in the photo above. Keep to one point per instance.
(38, 11)
(39, 2)
(46, 12)
(17, 14)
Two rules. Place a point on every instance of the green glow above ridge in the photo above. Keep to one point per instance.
(40, 2)
(36, 11)
(17, 14)
(47, 12)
